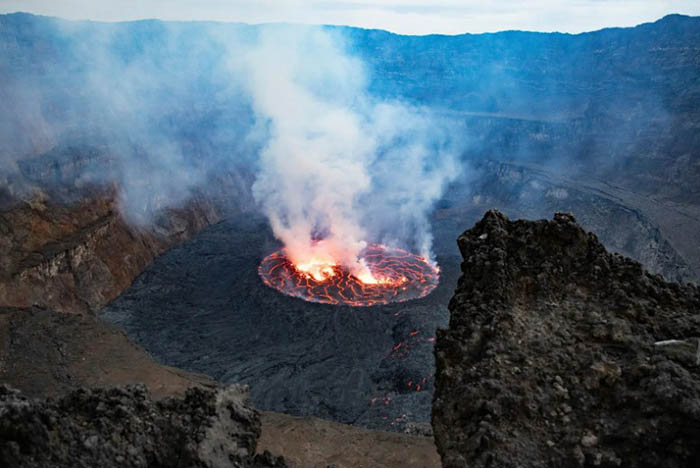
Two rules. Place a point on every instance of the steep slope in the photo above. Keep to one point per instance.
(76, 258)
(70, 245)
(661, 236)
(559, 353)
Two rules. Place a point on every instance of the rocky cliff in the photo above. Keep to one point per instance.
(660, 236)
(77, 257)
(60, 261)
(124, 427)
(559, 353)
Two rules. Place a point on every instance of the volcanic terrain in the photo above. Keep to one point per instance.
(203, 307)
(137, 211)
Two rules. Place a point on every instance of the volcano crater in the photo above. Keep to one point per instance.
(393, 275)
(203, 307)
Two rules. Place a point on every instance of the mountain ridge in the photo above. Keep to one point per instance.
(666, 19)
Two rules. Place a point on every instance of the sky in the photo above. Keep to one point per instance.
(400, 16)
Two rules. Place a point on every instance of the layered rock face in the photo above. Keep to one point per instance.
(77, 257)
(559, 353)
(124, 427)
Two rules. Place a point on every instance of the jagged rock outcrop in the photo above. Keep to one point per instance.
(124, 427)
(559, 353)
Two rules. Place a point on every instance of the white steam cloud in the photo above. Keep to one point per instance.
(340, 169)
(160, 110)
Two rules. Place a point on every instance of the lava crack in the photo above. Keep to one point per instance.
(402, 276)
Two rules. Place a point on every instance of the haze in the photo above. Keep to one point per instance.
(401, 16)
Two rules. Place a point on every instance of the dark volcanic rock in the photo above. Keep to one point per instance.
(559, 353)
(124, 427)
(202, 307)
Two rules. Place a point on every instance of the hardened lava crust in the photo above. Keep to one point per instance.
(402, 275)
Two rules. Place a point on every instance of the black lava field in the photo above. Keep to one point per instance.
(203, 307)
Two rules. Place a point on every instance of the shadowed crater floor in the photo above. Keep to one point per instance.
(203, 307)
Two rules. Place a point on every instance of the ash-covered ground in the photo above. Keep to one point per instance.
(203, 307)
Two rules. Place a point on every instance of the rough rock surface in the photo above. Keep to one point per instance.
(77, 257)
(559, 353)
(124, 427)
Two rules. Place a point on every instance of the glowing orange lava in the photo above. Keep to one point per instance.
(394, 275)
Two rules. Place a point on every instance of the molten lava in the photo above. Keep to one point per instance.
(393, 275)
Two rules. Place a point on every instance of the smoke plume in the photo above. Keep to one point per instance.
(162, 108)
(339, 168)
